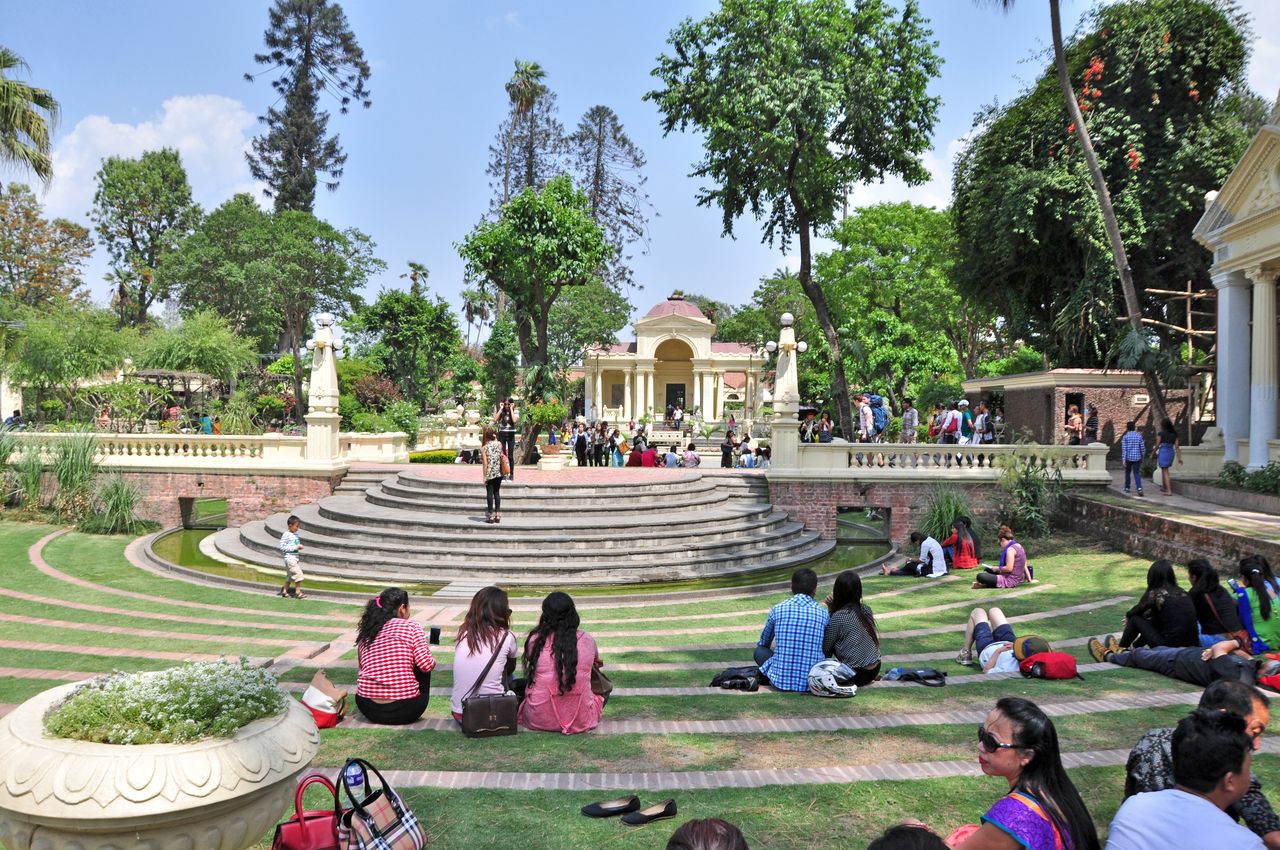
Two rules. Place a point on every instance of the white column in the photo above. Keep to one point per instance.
(599, 394)
(626, 396)
(588, 392)
(1262, 367)
(708, 398)
(1231, 387)
(697, 392)
(719, 390)
(648, 392)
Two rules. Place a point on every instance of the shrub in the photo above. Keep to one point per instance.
(75, 465)
(403, 416)
(29, 472)
(368, 422)
(1033, 494)
(434, 456)
(545, 413)
(376, 392)
(348, 407)
(175, 706)
(1265, 480)
(945, 504)
(1233, 476)
(115, 510)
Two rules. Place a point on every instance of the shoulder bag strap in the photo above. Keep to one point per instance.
(1209, 601)
(502, 641)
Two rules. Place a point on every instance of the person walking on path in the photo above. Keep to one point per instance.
(507, 420)
(1090, 423)
(1132, 450)
(290, 546)
(910, 422)
(491, 458)
(1074, 429)
(1166, 450)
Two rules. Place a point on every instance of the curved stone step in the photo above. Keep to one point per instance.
(392, 495)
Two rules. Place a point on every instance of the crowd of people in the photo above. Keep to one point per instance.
(954, 423)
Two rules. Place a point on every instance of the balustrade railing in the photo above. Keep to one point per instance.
(914, 460)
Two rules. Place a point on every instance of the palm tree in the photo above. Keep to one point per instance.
(27, 114)
(1132, 306)
(475, 310)
(524, 88)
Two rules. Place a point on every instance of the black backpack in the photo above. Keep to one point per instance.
(927, 676)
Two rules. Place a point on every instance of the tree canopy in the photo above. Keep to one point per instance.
(799, 100)
(27, 117)
(203, 342)
(40, 260)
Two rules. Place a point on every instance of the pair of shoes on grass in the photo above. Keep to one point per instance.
(629, 808)
(965, 658)
(1103, 648)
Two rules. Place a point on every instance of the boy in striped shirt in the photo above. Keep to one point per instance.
(290, 546)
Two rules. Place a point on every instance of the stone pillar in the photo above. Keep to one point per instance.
(648, 392)
(627, 381)
(1262, 371)
(322, 396)
(718, 383)
(588, 392)
(785, 446)
(697, 392)
(708, 397)
(598, 396)
(1231, 386)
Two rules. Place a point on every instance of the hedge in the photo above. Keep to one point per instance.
(436, 456)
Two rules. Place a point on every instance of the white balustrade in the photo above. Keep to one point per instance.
(913, 461)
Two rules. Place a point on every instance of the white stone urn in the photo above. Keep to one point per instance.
(452, 417)
(216, 794)
(473, 416)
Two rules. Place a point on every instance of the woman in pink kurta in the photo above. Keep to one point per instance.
(1012, 570)
(558, 658)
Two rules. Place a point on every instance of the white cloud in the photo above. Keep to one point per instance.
(211, 132)
(1264, 63)
(936, 192)
(510, 20)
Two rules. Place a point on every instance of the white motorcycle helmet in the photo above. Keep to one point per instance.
(830, 678)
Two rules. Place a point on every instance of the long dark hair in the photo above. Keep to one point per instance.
(963, 527)
(559, 621)
(1044, 777)
(1204, 578)
(1160, 574)
(847, 593)
(487, 620)
(1257, 572)
(377, 611)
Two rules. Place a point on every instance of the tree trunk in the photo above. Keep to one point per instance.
(840, 384)
(1132, 306)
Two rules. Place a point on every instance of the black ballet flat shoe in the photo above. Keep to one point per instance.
(609, 808)
(655, 812)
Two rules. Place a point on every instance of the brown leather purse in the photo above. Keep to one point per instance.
(489, 715)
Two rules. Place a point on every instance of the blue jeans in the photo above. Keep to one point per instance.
(984, 637)
(1134, 468)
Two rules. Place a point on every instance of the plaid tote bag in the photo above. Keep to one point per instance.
(379, 821)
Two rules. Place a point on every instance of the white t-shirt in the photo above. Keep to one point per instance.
(1175, 820)
(1008, 662)
(931, 553)
(468, 665)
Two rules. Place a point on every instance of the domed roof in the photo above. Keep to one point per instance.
(676, 305)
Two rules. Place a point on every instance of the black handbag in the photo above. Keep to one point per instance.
(489, 715)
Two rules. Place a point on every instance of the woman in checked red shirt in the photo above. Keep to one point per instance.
(395, 661)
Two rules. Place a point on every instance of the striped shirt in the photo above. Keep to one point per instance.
(386, 666)
(1132, 446)
(847, 641)
(795, 628)
(289, 544)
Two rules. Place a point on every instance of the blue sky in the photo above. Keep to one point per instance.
(134, 75)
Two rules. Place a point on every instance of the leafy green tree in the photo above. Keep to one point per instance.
(311, 49)
(800, 99)
(27, 115)
(501, 361)
(412, 337)
(1162, 85)
(143, 210)
(204, 342)
(40, 260)
(221, 267)
(543, 242)
(608, 166)
(66, 344)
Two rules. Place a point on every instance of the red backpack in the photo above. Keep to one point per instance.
(1050, 665)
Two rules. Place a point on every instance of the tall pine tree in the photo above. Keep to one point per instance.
(311, 47)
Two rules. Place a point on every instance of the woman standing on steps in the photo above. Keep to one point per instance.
(507, 419)
(492, 458)
(558, 663)
(395, 661)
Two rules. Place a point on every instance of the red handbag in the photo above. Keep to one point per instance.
(310, 830)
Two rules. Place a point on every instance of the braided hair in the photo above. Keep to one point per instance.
(559, 623)
(377, 611)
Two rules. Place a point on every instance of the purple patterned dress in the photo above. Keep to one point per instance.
(1026, 822)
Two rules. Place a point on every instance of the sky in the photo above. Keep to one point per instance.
(136, 75)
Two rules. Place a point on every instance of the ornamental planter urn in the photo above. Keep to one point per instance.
(215, 794)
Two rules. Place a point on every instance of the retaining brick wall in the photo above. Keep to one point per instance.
(815, 502)
(1151, 536)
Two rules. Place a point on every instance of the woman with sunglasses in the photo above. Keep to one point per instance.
(1043, 810)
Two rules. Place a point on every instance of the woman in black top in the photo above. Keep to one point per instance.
(1090, 424)
(1215, 605)
(1164, 616)
(850, 636)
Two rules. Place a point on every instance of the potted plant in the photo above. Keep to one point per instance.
(202, 756)
(544, 414)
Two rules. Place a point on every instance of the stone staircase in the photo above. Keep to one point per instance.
(408, 526)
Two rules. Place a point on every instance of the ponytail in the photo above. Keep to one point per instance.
(377, 611)
(1257, 572)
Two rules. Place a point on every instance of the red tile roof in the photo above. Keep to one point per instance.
(675, 306)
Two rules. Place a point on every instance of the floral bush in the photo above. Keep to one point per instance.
(188, 703)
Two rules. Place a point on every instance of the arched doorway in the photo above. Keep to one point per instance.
(672, 375)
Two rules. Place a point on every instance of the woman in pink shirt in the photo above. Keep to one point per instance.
(486, 630)
(1012, 570)
(395, 661)
(558, 658)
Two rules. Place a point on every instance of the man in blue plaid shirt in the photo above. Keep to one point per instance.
(794, 628)
(1132, 450)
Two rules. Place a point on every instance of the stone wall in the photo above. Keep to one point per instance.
(815, 502)
(1151, 536)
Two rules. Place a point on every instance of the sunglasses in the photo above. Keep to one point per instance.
(990, 743)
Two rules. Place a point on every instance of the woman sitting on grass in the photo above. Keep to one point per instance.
(1164, 616)
(1043, 810)
(558, 658)
(1012, 570)
(1261, 592)
(484, 632)
(395, 661)
(962, 545)
(1215, 606)
(850, 636)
